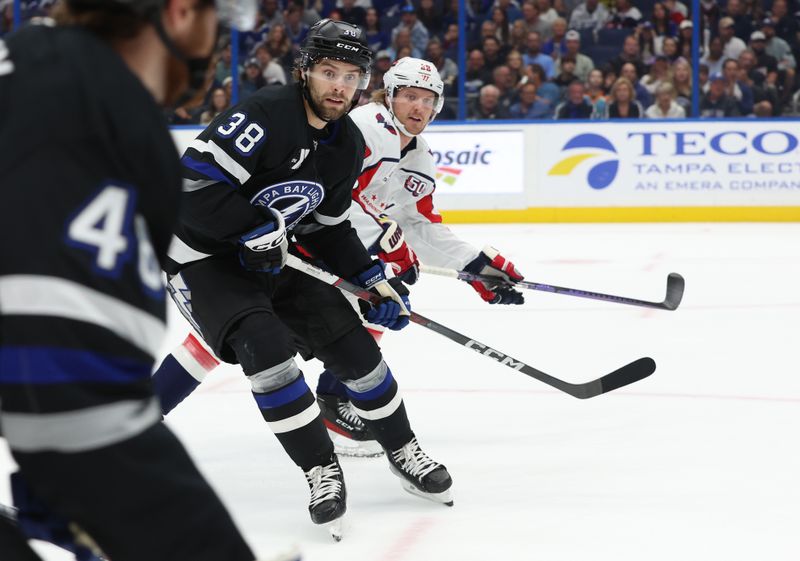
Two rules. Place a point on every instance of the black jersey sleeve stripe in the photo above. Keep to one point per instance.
(205, 169)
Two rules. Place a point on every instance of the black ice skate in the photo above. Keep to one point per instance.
(421, 476)
(328, 501)
(350, 436)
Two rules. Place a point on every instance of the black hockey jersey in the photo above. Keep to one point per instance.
(263, 153)
(89, 191)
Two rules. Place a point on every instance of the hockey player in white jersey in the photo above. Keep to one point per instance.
(395, 217)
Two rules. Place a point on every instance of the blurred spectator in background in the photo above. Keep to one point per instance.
(621, 102)
(519, 36)
(663, 26)
(534, 55)
(764, 92)
(296, 30)
(715, 103)
(556, 45)
(742, 22)
(487, 105)
(785, 25)
(658, 74)
(248, 40)
(500, 20)
(419, 34)
(566, 74)
(682, 83)
(223, 66)
(677, 10)
(714, 57)
(448, 70)
(532, 19)
(252, 80)
(583, 64)
(402, 40)
(529, 105)
(351, 13)
(547, 13)
(477, 74)
(271, 13)
(665, 106)
(589, 14)
(218, 104)
(685, 39)
(311, 11)
(547, 91)
(702, 77)
(669, 49)
(739, 91)
(272, 72)
(630, 54)
(642, 95)
(647, 42)
(782, 52)
(383, 61)
(732, 46)
(576, 105)
(510, 7)
(763, 63)
(377, 39)
(610, 76)
(625, 15)
(503, 80)
(280, 46)
(517, 67)
(493, 53)
(450, 42)
(430, 15)
(596, 92)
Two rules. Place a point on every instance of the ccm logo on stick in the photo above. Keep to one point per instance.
(493, 354)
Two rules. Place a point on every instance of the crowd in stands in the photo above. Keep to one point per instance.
(541, 59)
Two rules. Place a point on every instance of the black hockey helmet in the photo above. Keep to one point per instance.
(336, 40)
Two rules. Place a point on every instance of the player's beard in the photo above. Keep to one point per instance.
(328, 112)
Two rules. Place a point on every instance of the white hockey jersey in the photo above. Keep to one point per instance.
(401, 186)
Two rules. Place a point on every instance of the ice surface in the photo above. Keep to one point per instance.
(698, 462)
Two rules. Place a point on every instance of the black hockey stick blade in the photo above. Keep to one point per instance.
(628, 374)
(675, 285)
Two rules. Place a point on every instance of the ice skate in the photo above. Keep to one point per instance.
(328, 501)
(421, 475)
(350, 436)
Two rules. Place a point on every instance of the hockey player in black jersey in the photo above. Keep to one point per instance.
(90, 188)
(282, 165)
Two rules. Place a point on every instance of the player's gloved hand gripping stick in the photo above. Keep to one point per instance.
(628, 374)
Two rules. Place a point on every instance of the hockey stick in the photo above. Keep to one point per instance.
(675, 284)
(628, 374)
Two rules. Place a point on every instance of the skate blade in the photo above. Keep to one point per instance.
(336, 528)
(344, 446)
(445, 497)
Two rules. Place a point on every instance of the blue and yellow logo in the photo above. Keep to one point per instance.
(600, 175)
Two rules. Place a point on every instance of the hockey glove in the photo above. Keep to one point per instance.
(490, 262)
(394, 309)
(392, 249)
(264, 248)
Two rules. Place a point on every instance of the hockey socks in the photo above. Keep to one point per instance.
(181, 372)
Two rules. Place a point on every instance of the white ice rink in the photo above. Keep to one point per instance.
(699, 462)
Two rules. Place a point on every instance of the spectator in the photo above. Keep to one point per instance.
(567, 73)
(685, 39)
(519, 36)
(595, 91)
(621, 102)
(625, 15)
(488, 29)
(742, 23)
(659, 73)
(529, 105)
(534, 55)
(249, 40)
(764, 63)
(448, 70)
(450, 42)
(310, 13)
(419, 34)
(663, 26)
(218, 104)
(533, 21)
(510, 7)
(280, 46)
(714, 57)
(610, 76)
(583, 64)
(500, 19)
(401, 40)
(589, 14)
(642, 95)
(547, 13)
(383, 61)
(665, 106)
(576, 106)
(271, 13)
(702, 77)
(711, 14)
(351, 13)
(763, 90)
(649, 44)
(296, 30)
(715, 103)
(223, 66)
(677, 11)
(732, 46)
(669, 48)
(785, 25)
(739, 91)
(515, 64)
(488, 105)
(272, 72)
(547, 91)
(682, 83)
(430, 15)
(493, 52)
(630, 54)
(556, 45)
(503, 80)
(477, 74)
(251, 80)
(780, 49)
(377, 39)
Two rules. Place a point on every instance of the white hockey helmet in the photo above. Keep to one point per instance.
(415, 73)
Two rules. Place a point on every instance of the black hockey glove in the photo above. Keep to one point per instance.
(264, 248)
(490, 262)
(394, 309)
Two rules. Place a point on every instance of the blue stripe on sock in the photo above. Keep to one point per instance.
(375, 392)
(172, 383)
(209, 170)
(330, 385)
(285, 395)
(53, 365)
